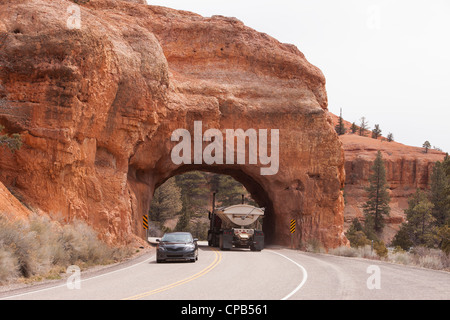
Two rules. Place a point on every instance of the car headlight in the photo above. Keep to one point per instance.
(189, 247)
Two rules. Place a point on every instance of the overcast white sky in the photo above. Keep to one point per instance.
(386, 60)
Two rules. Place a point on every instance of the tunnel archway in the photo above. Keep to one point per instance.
(307, 188)
(256, 191)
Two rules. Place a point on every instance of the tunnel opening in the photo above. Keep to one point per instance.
(191, 191)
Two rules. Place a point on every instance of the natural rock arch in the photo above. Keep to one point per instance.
(96, 108)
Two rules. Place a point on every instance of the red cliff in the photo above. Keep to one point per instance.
(97, 104)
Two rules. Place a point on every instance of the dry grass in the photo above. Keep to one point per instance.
(42, 249)
(420, 256)
(360, 252)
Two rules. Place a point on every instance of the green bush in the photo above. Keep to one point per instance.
(380, 249)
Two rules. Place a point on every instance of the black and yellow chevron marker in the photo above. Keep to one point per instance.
(292, 226)
(145, 222)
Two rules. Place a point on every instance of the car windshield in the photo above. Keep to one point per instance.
(177, 238)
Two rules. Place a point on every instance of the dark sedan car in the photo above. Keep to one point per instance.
(177, 246)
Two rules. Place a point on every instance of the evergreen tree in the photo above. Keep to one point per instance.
(377, 204)
(446, 168)
(420, 219)
(166, 202)
(363, 126)
(194, 186)
(230, 191)
(376, 132)
(354, 128)
(439, 186)
(340, 128)
(426, 145)
(183, 223)
(403, 239)
(356, 235)
(390, 137)
(444, 237)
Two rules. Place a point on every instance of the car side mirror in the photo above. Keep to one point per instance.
(195, 240)
(158, 240)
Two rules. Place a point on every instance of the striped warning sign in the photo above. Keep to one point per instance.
(292, 227)
(145, 222)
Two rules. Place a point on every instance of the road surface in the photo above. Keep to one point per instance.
(273, 274)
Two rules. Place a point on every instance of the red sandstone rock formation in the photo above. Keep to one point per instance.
(10, 206)
(407, 168)
(96, 107)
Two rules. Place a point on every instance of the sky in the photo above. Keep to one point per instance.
(385, 60)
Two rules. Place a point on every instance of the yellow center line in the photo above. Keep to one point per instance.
(217, 259)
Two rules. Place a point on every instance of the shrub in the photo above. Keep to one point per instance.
(315, 246)
(81, 244)
(358, 239)
(8, 265)
(15, 239)
(380, 249)
(431, 262)
(344, 251)
(367, 252)
(401, 257)
(431, 258)
(43, 247)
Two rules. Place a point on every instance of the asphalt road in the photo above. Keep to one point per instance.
(273, 274)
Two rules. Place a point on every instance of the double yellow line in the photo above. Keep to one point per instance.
(217, 259)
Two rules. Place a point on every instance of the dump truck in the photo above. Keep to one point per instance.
(236, 226)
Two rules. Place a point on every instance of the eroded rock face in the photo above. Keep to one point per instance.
(407, 169)
(97, 107)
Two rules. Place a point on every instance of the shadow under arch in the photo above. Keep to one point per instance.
(256, 190)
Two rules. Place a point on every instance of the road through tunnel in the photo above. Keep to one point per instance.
(306, 185)
(196, 182)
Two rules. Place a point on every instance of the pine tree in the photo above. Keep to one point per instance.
(376, 132)
(356, 235)
(230, 191)
(340, 128)
(363, 126)
(444, 237)
(420, 219)
(166, 202)
(185, 218)
(390, 137)
(439, 186)
(354, 128)
(194, 186)
(403, 239)
(377, 205)
(426, 145)
(446, 168)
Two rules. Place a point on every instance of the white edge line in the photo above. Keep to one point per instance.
(305, 275)
(65, 284)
